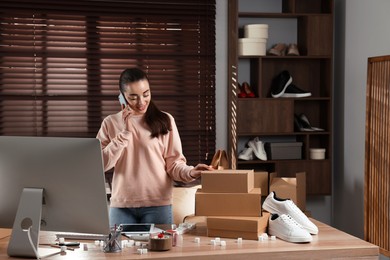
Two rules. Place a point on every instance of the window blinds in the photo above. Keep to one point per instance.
(60, 64)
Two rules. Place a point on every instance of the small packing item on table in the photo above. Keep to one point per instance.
(291, 188)
(228, 204)
(229, 181)
(160, 242)
(235, 227)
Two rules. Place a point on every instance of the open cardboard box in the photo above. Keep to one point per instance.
(227, 181)
(290, 188)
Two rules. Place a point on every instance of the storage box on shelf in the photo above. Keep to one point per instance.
(284, 151)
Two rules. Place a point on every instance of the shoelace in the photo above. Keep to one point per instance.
(295, 208)
(289, 220)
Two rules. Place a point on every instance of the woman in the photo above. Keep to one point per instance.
(143, 144)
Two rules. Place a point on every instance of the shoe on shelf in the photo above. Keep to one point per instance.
(278, 49)
(285, 227)
(306, 124)
(293, 91)
(299, 126)
(275, 205)
(246, 154)
(242, 93)
(258, 148)
(246, 88)
(292, 50)
(280, 84)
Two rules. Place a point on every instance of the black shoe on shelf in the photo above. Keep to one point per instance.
(280, 84)
(293, 91)
(299, 126)
(306, 124)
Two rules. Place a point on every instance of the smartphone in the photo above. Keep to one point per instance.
(122, 99)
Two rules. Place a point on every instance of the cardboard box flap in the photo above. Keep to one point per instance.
(290, 188)
(261, 181)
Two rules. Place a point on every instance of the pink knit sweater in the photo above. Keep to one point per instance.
(144, 167)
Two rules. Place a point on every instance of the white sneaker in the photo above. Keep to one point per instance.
(275, 205)
(246, 154)
(258, 148)
(286, 228)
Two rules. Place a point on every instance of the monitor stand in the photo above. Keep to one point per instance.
(24, 239)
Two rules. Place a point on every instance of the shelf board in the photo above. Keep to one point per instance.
(286, 99)
(279, 161)
(284, 57)
(278, 15)
(244, 134)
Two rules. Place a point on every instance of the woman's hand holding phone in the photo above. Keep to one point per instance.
(126, 111)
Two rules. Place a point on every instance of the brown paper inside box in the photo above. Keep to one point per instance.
(235, 227)
(290, 188)
(228, 181)
(228, 204)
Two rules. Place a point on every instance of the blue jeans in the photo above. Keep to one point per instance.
(155, 214)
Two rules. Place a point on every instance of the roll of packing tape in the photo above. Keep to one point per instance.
(163, 243)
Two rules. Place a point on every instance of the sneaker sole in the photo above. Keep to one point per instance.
(245, 158)
(290, 239)
(289, 95)
(283, 90)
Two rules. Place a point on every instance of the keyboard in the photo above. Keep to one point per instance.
(81, 236)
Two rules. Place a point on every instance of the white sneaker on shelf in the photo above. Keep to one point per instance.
(275, 205)
(246, 154)
(286, 228)
(258, 148)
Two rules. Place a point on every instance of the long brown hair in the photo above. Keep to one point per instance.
(158, 121)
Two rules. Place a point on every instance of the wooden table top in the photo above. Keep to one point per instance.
(329, 243)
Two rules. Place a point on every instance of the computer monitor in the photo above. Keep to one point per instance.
(53, 184)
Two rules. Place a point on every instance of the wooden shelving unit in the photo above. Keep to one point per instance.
(273, 118)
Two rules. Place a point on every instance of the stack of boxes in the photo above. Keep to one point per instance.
(255, 41)
(232, 204)
(232, 200)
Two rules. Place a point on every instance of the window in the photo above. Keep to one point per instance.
(60, 64)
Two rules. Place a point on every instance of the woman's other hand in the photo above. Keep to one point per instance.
(197, 170)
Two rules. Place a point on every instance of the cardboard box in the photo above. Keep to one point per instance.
(235, 227)
(228, 204)
(228, 181)
(290, 188)
(261, 181)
